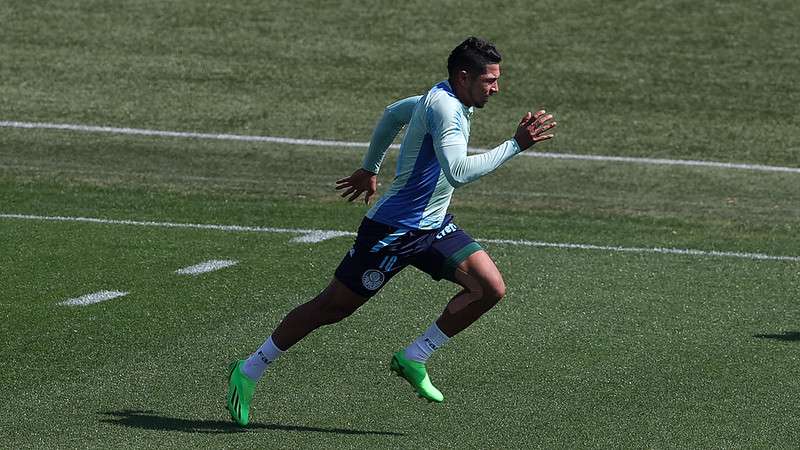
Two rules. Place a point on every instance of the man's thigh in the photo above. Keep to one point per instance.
(373, 260)
(449, 248)
(479, 268)
(481, 280)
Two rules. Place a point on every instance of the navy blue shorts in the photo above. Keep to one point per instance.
(382, 251)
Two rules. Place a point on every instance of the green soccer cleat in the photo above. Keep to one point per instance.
(414, 372)
(240, 393)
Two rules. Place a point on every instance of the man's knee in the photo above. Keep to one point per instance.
(494, 290)
(486, 289)
(479, 275)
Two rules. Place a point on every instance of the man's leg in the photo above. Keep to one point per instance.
(333, 304)
(483, 287)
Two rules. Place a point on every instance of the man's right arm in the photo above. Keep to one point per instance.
(364, 180)
(395, 116)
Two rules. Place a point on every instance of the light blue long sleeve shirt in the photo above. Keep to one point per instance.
(433, 158)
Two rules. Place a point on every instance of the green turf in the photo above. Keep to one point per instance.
(589, 349)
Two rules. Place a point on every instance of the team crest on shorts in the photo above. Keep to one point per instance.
(372, 279)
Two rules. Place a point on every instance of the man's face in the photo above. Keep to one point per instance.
(481, 87)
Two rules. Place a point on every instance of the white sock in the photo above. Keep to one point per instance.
(423, 347)
(258, 362)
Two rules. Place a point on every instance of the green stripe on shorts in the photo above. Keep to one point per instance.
(453, 261)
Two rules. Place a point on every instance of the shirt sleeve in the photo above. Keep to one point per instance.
(450, 146)
(395, 116)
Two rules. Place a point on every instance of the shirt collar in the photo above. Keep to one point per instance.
(467, 110)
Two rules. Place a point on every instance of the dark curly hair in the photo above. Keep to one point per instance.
(472, 55)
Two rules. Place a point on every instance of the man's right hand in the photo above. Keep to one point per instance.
(532, 128)
(360, 181)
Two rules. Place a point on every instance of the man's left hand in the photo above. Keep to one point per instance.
(532, 128)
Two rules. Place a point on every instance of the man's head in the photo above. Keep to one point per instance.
(473, 68)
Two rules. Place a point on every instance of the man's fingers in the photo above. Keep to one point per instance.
(342, 185)
(526, 119)
(542, 119)
(348, 192)
(354, 196)
(533, 117)
(545, 127)
(541, 125)
(534, 126)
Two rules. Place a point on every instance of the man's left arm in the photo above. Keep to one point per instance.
(460, 168)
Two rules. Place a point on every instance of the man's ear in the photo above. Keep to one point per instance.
(463, 77)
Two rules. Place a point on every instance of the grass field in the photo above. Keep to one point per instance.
(593, 347)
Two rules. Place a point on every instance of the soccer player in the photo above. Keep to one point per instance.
(409, 225)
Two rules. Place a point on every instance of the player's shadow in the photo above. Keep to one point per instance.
(149, 420)
(788, 336)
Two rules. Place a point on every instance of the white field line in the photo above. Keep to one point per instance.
(669, 251)
(177, 134)
(319, 235)
(206, 266)
(329, 143)
(90, 299)
(233, 228)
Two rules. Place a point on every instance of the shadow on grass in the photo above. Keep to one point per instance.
(149, 420)
(789, 336)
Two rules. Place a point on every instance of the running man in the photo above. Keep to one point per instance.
(409, 225)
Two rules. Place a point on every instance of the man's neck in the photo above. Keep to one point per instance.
(459, 95)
